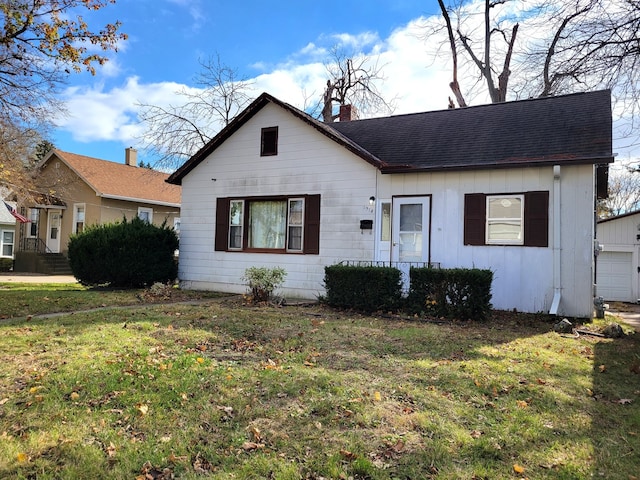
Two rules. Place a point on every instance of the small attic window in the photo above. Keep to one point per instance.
(269, 141)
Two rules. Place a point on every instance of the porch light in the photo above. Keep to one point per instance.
(372, 200)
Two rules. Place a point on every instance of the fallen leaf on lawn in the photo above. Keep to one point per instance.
(248, 446)
(541, 381)
(309, 364)
(74, 396)
(200, 360)
(518, 468)
(3, 401)
(522, 404)
(202, 465)
(142, 408)
(476, 433)
(602, 368)
(177, 458)
(111, 450)
(625, 401)
(377, 397)
(22, 457)
(348, 454)
(255, 432)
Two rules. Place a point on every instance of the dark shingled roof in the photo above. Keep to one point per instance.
(553, 130)
(568, 129)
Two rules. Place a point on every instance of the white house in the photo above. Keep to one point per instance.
(618, 264)
(509, 187)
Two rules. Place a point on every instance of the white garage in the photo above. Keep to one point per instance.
(614, 276)
(617, 264)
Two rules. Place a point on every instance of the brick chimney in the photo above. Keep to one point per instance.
(131, 156)
(347, 113)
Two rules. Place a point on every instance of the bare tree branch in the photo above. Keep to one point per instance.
(352, 80)
(175, 132)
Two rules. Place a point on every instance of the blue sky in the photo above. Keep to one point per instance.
(280, 44)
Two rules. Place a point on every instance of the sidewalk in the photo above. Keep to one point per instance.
(18, 277)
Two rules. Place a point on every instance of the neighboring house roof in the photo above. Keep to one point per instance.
(616, 217)
(120, 181)
(5, 215)
(569, 129)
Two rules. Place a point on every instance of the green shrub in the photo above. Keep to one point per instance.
(459, 293)
(365, 289)
(263, 281)
(6, 264)
(124, 254)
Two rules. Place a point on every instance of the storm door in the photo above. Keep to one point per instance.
(410, 233)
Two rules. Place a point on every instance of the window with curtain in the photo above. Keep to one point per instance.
(268, 224)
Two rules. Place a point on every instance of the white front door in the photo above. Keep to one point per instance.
(409, 233)
(53, 230)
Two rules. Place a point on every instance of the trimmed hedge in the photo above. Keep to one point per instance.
(459, 293)
(126, 254)
(366, 289)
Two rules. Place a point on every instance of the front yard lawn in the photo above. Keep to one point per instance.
(224, 390)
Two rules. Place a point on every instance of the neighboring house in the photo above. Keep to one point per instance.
(7, 233)
(618, 264)
(509, 187)
(79, 191)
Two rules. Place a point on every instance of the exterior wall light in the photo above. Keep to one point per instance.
(372, 200)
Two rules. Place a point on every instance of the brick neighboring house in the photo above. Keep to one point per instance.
(76, 191)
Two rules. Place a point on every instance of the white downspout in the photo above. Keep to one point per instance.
(557, 257)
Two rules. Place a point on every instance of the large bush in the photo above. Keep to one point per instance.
(126, 254)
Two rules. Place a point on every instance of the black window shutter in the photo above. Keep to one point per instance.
(222, 224)
(312, 224)
(536, 219)
(474, 218)
(602, 182)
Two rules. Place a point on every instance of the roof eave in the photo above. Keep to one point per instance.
(392, 169)
(140, 200)
(176, 177)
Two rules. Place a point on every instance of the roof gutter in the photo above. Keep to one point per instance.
(138, 200)
(557, 251)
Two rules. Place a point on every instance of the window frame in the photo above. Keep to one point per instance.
(76, 207)
(310, 224)
(495, 220)
(535, 219)
(3, 243)
(147, 210)
(34, 223)
(269, 141)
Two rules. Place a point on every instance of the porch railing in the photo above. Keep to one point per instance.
(373, 263)
(33, 244)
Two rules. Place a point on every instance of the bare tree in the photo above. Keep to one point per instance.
(175, 132)
(624, 193)
(352, 80)
(546, 47)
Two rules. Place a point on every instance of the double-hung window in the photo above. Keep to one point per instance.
(268, 224)
(6, 240)
(519, 219)
(505, 219)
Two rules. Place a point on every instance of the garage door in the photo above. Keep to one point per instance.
(614, 276)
